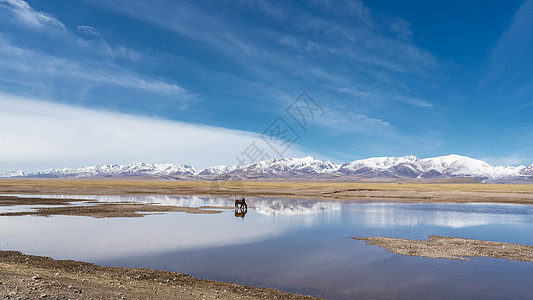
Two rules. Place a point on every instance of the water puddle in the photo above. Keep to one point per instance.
(295, 245)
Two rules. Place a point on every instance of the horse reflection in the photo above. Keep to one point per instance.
(240, 212)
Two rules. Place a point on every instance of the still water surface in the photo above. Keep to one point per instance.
(294, 245)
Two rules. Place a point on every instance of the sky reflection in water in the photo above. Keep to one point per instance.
(294, 244)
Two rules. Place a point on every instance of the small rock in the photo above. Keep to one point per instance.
(36, 277)
(44, 295)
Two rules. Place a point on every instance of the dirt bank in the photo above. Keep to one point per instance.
(35, 277)
(452, 248)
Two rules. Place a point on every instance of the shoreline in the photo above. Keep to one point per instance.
(39, 277)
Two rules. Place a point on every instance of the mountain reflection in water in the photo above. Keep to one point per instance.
(296, 245)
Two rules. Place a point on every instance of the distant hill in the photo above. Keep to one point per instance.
(450, 168)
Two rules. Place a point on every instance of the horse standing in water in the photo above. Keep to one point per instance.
(241, 208)
(240, 204)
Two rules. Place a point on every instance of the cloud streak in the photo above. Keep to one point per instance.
(37, 69)
(24, 13)
(511, 65)
(37, 135)
(344, 31)
(84, 62)
(328, 48)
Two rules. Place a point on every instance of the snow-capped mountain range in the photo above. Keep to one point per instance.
(380, 168)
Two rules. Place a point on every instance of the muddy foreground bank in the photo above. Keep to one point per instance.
(36, 277)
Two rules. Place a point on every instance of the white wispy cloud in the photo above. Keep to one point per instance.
(511, 65)
(416, 102)
(38, 68)
(92, 38)
(385, 97)
(27, 15)
(37, 134)
(90, 63)
(507, 160)
(353, 122)
(348, 32)
(88, 30)
(360, 44)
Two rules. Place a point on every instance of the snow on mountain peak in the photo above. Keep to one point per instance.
(378, 162)
(305, 165)
(527, 171)
(406, 167)
(18, 173)
(135, 169)
(217, 170)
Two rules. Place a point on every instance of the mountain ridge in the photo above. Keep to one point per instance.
(385, 168)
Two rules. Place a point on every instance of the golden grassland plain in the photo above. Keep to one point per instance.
(405, 192)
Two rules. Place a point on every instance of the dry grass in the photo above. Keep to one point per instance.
(418, 192)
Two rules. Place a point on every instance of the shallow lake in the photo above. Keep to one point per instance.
(294, 245)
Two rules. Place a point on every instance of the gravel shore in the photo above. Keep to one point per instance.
(35, 277)
(452, 248)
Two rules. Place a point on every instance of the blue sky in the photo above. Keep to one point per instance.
(93, 82)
